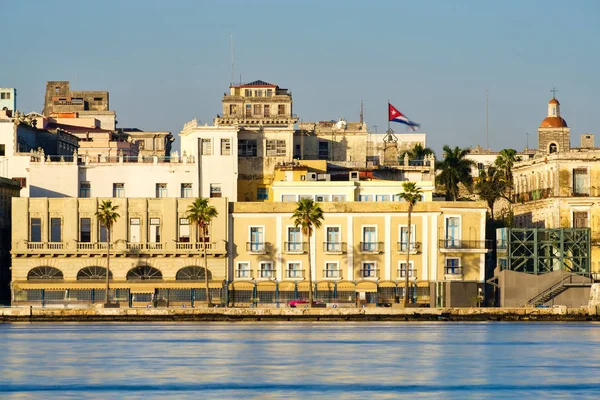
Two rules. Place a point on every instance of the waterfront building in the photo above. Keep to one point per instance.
(59, 252)
(9, 188)
(8, 99)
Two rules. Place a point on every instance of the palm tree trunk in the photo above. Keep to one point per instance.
(310, 286)
(107, 265)
(407, 256)
(205, 266)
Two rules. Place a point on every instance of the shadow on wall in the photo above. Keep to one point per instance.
(36, 191)
(526, 221)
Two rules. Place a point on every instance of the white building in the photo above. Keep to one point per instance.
(8, 99)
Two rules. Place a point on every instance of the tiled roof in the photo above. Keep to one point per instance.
(259, 83)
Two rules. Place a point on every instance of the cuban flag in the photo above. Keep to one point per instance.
(397, 116)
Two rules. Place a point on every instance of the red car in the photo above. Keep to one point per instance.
(300, 302)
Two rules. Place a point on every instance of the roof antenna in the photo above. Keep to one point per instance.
(361, 113)
(232, 64)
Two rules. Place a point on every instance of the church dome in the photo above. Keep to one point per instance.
(553, 122)
(553, 101)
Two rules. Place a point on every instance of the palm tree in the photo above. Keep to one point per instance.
(418, 152)
(107, 215)
(490, 186)
(455, 169)
(308, 214)
(504, 163)
(201, 213)
(411, 194)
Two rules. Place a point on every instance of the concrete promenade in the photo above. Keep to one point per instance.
(51, 314)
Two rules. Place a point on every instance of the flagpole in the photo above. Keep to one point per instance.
(388, 118)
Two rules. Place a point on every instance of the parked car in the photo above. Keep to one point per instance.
(302, 302)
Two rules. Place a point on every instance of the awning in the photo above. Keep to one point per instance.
(287, 286)
(346, 286)
(265, 287)
(242, 285)
(387, 284)
(303, 286)
(366, 286)
(325, 285)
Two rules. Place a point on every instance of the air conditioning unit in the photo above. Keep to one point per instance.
(311, 176)
(354, 176)
(324, 177)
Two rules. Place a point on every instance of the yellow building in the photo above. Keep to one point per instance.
(59, 252)
(359, 253)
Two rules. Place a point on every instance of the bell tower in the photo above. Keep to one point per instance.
(553, 134)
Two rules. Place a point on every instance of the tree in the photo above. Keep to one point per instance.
(418, 152)
(107, 215)
(490, 186)
(411, 194)
(455, 169)
(504, 163)
(201, 213)
(308, 214)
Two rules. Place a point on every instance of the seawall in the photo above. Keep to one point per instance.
(35, 314)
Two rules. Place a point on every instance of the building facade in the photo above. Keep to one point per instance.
(8, 99)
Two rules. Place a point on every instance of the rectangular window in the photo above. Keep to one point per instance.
(267, 111)
(258, 110)
(55, 230)
(288, 197)
(369, 236)
(102, 235)
(404, 238)
(206, 147)
(232, 109)
(85, 230)
(134, 230)
(334, 238)
(332, 270)
(338, 197)
(118, 190)
(382, 197)
(402, 270)
(580, 219)
(365, 197)
(452, 232)
(35, 234)
(248, 111)
(247, 148)
(161, 190)
(248, 93)
(266, 270)
(257, 239)
(294, 270)
(369, 269)
(2, 150)
(581, 186)
(22, 181)
(154, 230)
(225, 147)
(269, 92)
(323, 150)
(452, 266)
(186, 190)
(184, 230)
(322, 198)
(215, 190)
(276, 148)
(243, 270)
(281, 109)
(294, 239)
(262, 194)
(85, 189)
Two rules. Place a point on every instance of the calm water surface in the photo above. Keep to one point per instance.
(300, 360)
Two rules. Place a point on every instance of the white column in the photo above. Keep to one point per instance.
(278, 245)
(313, 256)
(350, 248)
(425, 255)
(388, 248)
(482, 256)
(434, 247)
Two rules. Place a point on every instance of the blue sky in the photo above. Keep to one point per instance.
(165, 63)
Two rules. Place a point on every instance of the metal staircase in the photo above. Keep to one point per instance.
(554, 290)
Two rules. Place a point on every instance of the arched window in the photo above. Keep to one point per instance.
(553, 148)
(45, 273)
(143, 272)
(93, 274)
(192, 273)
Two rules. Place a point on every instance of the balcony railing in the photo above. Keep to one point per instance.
(403, 247)
(411, 273)
(371, 247)
(135, 246)
(36, 246)
(193, 246)
(266, 273)
(453, 270)
(332, 273)
(243, 274)
(538, 194)
(334, 247)
(295, 247)
(455, 244)
(257, 247)
(120, 246)
(294, 273)
(369, 273)
(154, 246)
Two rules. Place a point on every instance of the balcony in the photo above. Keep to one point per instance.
(257, 247)
(371, 247)
(243, 274)
(538, 194)
(465, 246)
(403, 247)
(332, 273)
(369, 273)
(266, 273)
(453, 273)
(294, 273)
(412, 273)
(334, 247)
(295, 247)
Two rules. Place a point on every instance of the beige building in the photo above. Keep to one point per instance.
(59, 252)
(359, 253)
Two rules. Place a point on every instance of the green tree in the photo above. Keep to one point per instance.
(201, 213)
(455, 169)
(504, 163)
(412, 195)
(308, 216)
(107, 215)
(490, 186)
(418, 152)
